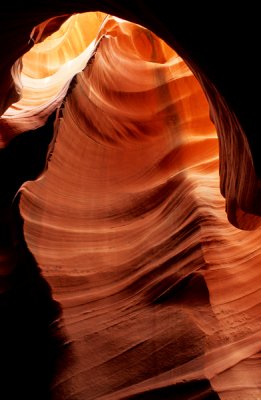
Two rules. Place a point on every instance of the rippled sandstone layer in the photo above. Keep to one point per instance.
(129, 228)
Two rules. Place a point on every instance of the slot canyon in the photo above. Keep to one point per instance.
(130, 202)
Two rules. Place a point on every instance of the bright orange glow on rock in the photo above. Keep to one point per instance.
(160, 293)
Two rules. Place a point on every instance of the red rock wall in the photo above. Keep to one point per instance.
(160, 293)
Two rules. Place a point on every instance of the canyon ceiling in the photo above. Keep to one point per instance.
(130, 202)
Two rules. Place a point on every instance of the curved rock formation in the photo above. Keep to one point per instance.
(159, 292)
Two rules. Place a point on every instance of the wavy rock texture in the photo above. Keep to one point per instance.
(228, 85)
(47, 71)
(160, 294)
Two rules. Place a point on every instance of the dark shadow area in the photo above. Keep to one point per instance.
(191, 291)
(23, 159)
(193, 390)
(31, 339)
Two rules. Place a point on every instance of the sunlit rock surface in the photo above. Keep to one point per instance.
(47, 71)
(160, 294)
